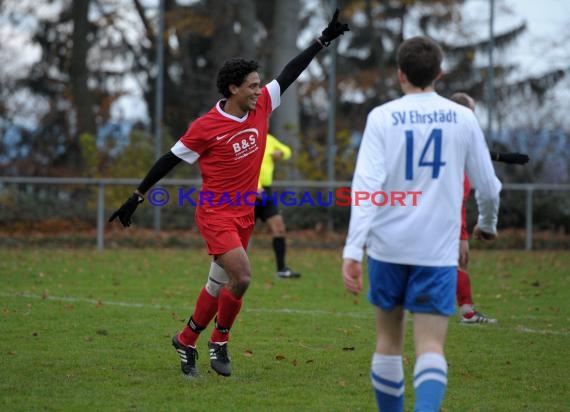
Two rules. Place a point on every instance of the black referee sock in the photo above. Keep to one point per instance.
(279, 248)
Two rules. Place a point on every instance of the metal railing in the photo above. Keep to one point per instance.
(102, 183)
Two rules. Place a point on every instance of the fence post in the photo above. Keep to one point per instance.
(100, 216)
(529, 214)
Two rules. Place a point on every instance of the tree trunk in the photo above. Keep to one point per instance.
(78, 71)
(233, 37)
(285, 120)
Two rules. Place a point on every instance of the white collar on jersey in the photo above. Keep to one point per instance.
(229, 116)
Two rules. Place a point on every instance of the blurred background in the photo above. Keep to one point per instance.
(93, 91)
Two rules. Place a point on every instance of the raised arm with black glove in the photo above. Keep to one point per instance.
(295, 67)
(333, 30)
(510, 158)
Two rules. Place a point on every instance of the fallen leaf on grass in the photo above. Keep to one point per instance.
(279, 357)
(175, 316)
(248, 353)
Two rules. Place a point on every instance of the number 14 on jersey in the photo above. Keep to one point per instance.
(432, 147)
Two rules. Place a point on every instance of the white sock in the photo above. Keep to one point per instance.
(387, 377)
(430, 381)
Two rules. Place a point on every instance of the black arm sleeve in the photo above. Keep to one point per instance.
(494, 155)
(295, 67)
(160, 169)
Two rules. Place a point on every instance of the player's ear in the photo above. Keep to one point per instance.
(439, 76)
(233, 88)
(402, 78)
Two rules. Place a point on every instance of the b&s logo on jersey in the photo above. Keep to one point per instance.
(244, 143)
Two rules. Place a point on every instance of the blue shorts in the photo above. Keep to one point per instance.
(420, 289)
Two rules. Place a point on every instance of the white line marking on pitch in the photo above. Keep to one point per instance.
(314, 312)
(153, 306)
(541, 332)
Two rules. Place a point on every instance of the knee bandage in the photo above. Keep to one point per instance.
(217, 278)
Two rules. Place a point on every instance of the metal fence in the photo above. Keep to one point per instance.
(530, 189)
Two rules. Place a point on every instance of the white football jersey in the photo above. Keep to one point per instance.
(412, 159)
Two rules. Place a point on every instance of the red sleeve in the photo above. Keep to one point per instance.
(194, 138)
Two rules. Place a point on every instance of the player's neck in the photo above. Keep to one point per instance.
(411, 89)
(231, 108)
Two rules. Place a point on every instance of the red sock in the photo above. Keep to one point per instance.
(229, 306)
(463, 288)
(206, 307)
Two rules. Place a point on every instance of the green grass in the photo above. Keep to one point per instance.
(90, 331)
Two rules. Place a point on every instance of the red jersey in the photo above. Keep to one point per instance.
(229, 151)
(466, 191)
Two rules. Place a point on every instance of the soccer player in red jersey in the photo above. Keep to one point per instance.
(464, 295)
(228, 143)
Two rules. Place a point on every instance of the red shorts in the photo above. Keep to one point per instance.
(222, 233)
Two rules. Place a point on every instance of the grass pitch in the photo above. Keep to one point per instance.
(90, 331)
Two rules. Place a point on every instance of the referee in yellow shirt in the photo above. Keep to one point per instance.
(268, 211)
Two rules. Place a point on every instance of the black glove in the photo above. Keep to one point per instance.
(333, 30)
(127, 209)
(511, 158)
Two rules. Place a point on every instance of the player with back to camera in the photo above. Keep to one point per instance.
(467, 312)
(228, 143)
(413, 248)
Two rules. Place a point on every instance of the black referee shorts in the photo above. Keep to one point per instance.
(266, 209)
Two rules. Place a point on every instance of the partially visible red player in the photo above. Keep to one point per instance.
(464, 296)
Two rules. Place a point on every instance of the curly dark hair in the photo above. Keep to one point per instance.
(234, 71)
(420, 59)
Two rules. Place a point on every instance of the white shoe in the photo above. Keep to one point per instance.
(287, 273)
(476, 317)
